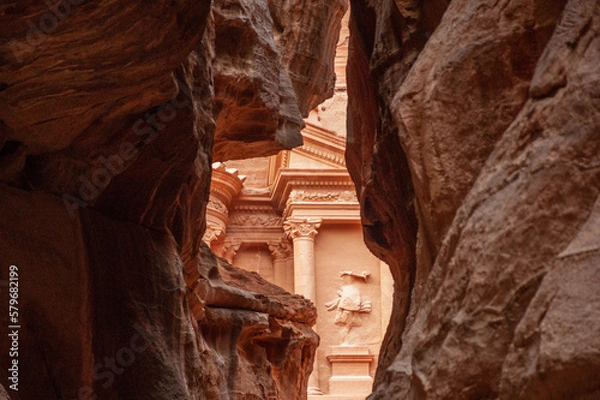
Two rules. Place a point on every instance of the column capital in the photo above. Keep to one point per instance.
(302, 227)
(227, 249)
(213, 234)
(280, 249)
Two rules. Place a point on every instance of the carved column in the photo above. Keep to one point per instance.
(302, 231)
(225, 185)
(280, 251)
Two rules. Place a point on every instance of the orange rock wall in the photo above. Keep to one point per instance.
(480, 120)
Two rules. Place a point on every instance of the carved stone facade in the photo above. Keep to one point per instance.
(299, 228)
(295, 221)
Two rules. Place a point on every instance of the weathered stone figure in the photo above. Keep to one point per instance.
(350, 303)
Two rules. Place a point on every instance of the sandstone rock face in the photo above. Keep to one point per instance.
(482, 119)
(273, 64)
(109, 114)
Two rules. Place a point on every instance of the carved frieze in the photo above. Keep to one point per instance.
(345, 196)
(218, 206)
(266, 220)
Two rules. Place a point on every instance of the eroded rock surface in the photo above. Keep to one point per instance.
(273, 64)
(109, 114)
(481, 119)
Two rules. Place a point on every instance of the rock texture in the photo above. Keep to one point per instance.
(273, 64)
(109, 115)
(482, 120)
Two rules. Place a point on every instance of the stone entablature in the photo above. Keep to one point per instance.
(324, 193)
(253, 220)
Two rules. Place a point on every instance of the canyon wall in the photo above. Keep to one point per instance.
(473, 139)
(110, 118)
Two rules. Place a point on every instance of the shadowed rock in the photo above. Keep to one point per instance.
(484, 134)
(108, 114)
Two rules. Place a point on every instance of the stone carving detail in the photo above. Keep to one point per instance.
(332, 197)
(301, 227)
(217, 205)
(213, 234)
(334, 158)
(280, 249)
(255, 220)
(350, 303)
(227, 250)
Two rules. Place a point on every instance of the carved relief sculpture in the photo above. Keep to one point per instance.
(302, 227)
(213, 234)
(261, 220)
(280, 249)
(227, 249)
(315, 196)
(350, 304)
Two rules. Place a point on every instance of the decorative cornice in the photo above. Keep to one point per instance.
(253, 205)
(318, 153)
(325, 137)
(302, 227)
(323, 145)
(350, 358)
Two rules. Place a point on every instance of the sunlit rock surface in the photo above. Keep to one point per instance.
(109, 114)
(480, 120)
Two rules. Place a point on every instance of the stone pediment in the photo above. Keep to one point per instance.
(322, 148)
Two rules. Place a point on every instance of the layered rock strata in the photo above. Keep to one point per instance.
(109, 114)
(481, 120)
